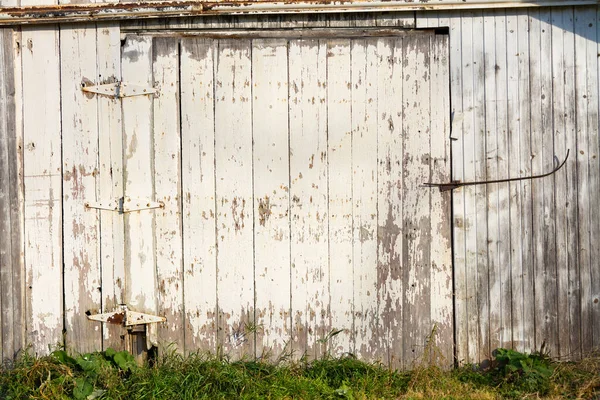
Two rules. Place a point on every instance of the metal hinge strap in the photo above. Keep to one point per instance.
(126, 317)
(124, 205)
(118, 89)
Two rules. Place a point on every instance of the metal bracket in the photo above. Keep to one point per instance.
(125, 205)
(118, 90)
(124, 316)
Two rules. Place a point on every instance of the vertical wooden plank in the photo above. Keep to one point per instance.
(504, 329)
(467, 222)
(19, 276)
(10, 247)
(493, 209)
(537, 193)
(587, 123)
(6, 306)
(42, 180)
(367, 345)
(198, 176)
(271, 197)
(594, 188)
(524, 156)
(561, 48)
(167, 176)
(308, 192)
(110, 181)
(140, 254)
(339, 171)
(573, 289)
(234, 184)
(456, 83)
(441, 243)
(82, 280)
(390, 200)
(515, 193)
(545, 252)
(416, 200)
(479, 331)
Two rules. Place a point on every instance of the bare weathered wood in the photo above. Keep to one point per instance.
(167, 178)
(503, 331)
(475, 199)
(339, 171)
(525, 151)
(198, 176)
(515, 203)
(82, 279)
(11, 246)
(401, 20)
(458, 196)
(234, 192)
(308, 193)
(20, 278)
(549, 316)
(110, 182)
(427, 19)
(266, 21)
(6, 251)
(305, 33)
(586, 67)
(271, 197)
(594, 152)
(481, 300)
(492, 191)
(562, 75)
(573, 289)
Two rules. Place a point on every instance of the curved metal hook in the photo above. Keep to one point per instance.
(455, 184)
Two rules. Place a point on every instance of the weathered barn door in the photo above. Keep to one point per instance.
(290, 167)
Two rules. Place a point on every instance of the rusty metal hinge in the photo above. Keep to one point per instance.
(118, 89)
(132, 320)
(124, 316)
(124, 205)
(456, 184)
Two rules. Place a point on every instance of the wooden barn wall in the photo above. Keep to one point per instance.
(524, 87)
(524, 90)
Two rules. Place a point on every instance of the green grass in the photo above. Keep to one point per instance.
(114, 375)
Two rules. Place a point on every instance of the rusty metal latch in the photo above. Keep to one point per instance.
(124, 205)
(118, 89)
(456, 184)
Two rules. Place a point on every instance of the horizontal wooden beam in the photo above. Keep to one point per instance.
(142, 10)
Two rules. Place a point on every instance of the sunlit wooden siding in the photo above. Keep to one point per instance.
(524, 88)
(323, 259)
(377, 275)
